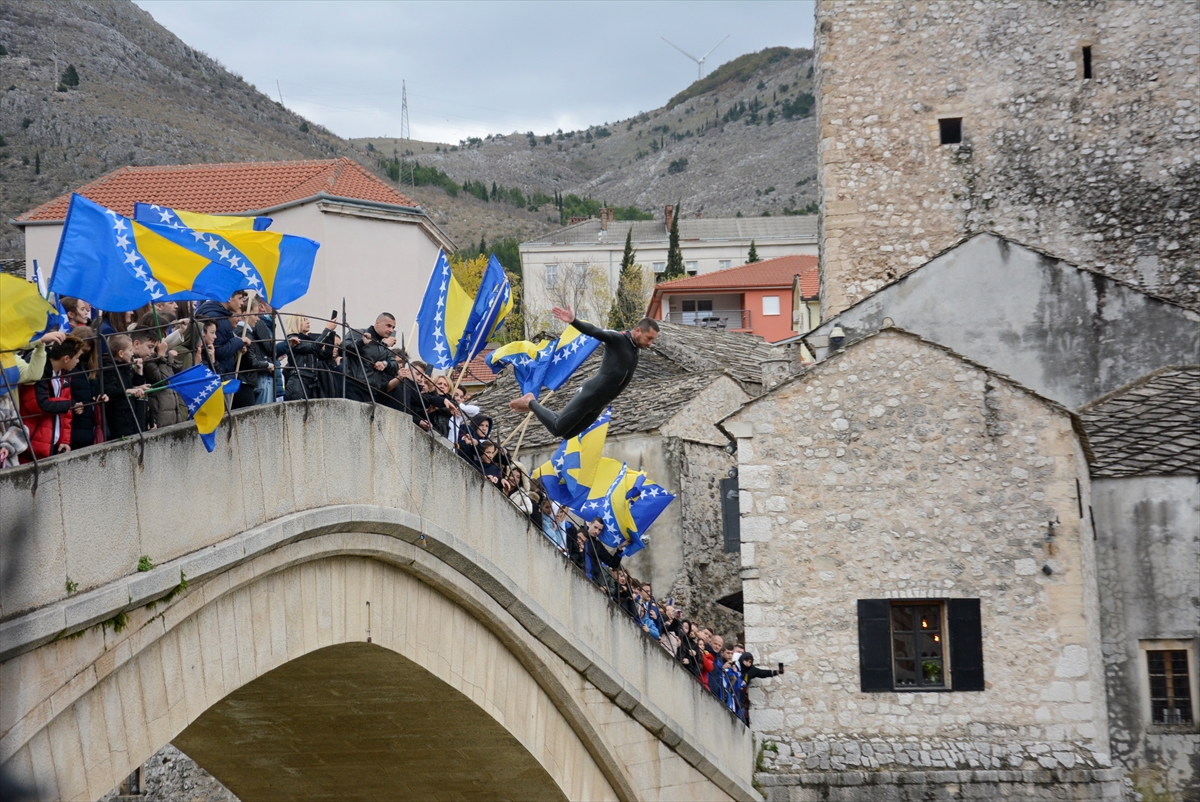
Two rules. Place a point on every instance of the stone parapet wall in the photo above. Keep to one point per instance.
(1037, 785)
(1102, 172)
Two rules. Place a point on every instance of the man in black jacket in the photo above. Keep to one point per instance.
(596, 555)
(616, 371)
(368, 360)
(307, 357)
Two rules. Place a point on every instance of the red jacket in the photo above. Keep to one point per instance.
(42, 408)
(705, 666)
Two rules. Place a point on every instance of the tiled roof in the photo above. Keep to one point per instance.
(760, 229)
(226, 188)
(682, 362)
(477, 369)
(768, 273)
(1148, 428)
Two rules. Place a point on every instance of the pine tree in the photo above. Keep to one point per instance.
(627, 308)
(70, 76)
(495, 191)
(674, 254)
(37, 163)
(482, 245)
(752, 257)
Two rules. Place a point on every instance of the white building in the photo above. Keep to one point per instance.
(377, 246)
(580, 264)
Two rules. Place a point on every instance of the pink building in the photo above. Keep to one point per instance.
(773, 299)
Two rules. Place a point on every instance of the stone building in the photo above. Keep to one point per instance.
(1070, 127)
(1146, 502)
(914, 546)
(664, 423)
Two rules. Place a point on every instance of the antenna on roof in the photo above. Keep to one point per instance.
(404, 134)
(699, 61)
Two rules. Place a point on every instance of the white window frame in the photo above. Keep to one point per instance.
(660, 267)
(551, 276)
(692, 267)
(725, 264)
(766, 308)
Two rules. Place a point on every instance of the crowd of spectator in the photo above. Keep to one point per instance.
(103, 380)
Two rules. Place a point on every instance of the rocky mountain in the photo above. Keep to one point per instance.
(742, 140)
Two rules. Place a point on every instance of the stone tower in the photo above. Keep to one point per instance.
(1070, 127)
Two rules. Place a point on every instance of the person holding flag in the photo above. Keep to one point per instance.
(621, 350)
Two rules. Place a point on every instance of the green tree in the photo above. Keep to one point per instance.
(628, 307)
(37, 163)
(674, 253)
(482, 245)
(70, 76)
(752, 257)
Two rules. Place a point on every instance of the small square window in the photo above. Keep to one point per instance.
(950, 129)
(551, 276)
(660, 267)
(931, 645)
(725, 263)
(770, 304)
(691, 267)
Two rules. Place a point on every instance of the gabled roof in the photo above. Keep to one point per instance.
(739, 229)
(699, 349)
(1149, 427)
(768, 273)
(237, 187)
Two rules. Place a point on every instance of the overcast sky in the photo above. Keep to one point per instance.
(474, 68)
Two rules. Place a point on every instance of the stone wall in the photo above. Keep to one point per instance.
(172, 776)
(898, 470)
(1100, 172)
(1148, 559)
(709, 572)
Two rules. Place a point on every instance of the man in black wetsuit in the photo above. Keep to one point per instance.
(616, 370)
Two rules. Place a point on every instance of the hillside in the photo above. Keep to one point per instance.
(144, 97)
(727, 158)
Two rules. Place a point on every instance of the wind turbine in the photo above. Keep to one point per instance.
(699, 61)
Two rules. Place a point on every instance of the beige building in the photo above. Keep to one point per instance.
(580, 265)
(1069, 127)
(915, 547)
(378, 247)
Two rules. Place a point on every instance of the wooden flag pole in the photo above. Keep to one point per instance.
(523, 425)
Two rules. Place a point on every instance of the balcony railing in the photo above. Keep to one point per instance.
(713, 318)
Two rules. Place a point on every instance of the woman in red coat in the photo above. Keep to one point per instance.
(46, 405)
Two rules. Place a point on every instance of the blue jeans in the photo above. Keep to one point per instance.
(264, 388)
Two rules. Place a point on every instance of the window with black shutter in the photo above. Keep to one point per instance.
(920, 645)
(731, 514)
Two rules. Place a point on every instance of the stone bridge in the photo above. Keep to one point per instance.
(338, 608)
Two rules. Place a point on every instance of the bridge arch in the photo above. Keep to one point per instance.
(565, 692)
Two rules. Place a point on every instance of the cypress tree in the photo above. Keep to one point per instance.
(752, 257)
(627, 308)
(37, 163)
(674, 254)
(482, 245)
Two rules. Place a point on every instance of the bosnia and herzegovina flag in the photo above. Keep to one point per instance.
(570, 351)
(277, 266)
(153, 214)
(544, 364)
(629, 506)
(23, 315)
(443, 315)
(493, 302)
(570, 475)
(529, 362)
(204, 394)
(117, 264)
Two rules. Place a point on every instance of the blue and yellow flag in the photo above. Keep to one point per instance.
(570, 350)
(576, 460)
(23, 315)
(56, 320)
(204, 394)
(631, 504)
(117, 264)
(154, 215)
(528, 360)
(493, 302)
(277, 266)
(443, 316)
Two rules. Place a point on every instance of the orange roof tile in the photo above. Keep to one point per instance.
(225, 188)
(777, 272)
(478, 371)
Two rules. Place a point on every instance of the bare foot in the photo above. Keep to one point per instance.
(521, 404)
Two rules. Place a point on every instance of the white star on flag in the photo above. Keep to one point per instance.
(165, 215)
(199, 235)
(211, 243)
(150, 284)
(225, 253)
(131, 258)
(123, 242)
(119, 224)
